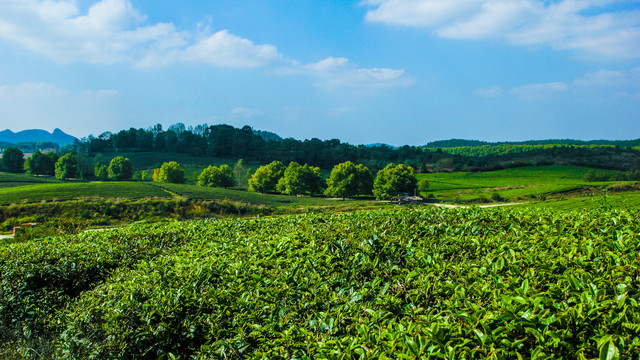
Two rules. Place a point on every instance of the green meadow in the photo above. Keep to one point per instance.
(516, 184)
(73, 191)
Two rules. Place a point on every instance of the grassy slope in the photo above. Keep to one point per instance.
(70, 191)
(10, 180)
(628, 201)
(205, 193)
(137, 190)
(517, 183)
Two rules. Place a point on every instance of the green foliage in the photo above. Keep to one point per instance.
(347, 180)
(40, 277)
(241, 174)
(423, 185)
(391, 284)
(13, 159)
(214, 176)
(593, 176)
(266, 177)
(480, 149)
(101, 171)
(120, 169)
(170, 172)
(393, 180)
(300, 180)
(67, 166)
(41, 164)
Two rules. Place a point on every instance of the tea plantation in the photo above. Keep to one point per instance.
(387, 284)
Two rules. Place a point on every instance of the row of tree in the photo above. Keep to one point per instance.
(346, 179)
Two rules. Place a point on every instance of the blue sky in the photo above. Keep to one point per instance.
(367, 71)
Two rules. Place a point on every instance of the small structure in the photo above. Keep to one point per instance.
(404, 198)
(27, 225)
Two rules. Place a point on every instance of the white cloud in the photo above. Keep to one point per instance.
(113, 31)
(536, 91)
(226, 50)
(489, 92)
(610, 78)
(334, 73)
(29, 90)
(246, 112)
(625, 82)
(582, 25)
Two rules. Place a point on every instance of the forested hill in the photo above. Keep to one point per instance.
(225, 141)
(567, 142)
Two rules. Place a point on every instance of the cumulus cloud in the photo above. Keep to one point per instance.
(587, 26)
(114, 31)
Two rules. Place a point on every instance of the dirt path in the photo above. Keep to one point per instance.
(2, 237)
(451, 206)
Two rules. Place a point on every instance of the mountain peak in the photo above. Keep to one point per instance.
(36, 135)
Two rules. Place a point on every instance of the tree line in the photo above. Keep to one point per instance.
(225, 141)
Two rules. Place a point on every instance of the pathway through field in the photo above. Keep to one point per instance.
(482, 206)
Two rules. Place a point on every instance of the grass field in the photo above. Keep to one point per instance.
(70, 191)
(270, 200)
(628, 201)
(514, 184)
(37, 192)
(11, 180)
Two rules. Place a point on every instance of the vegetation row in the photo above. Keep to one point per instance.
(388, 284)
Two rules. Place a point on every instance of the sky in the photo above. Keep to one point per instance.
(366, 71)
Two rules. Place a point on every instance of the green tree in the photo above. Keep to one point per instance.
(313, 179)
(170, 172)
(347, 180)
(241, 174)
(423, 185)
(393, 180)
(41, 164)
(67, 166)
(13, 159)
(266, 177)
(214, 176)
(300, 180)
(120, 169)
(101, 171)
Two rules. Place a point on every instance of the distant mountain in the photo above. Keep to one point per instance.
(36, 135)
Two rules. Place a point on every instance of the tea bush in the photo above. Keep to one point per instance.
(388, 284)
